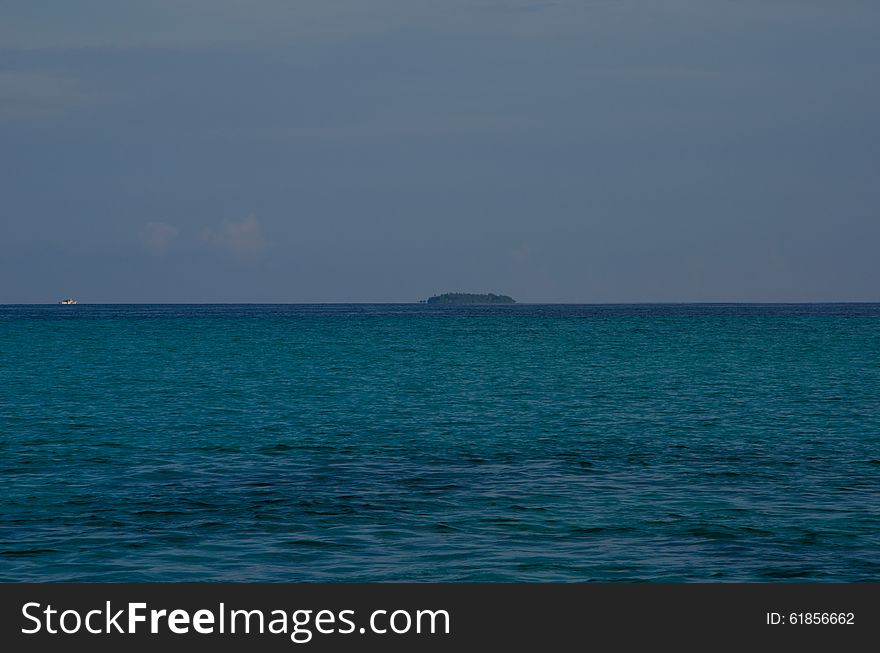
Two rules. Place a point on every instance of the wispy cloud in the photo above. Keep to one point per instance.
(243, 240)
(156, 237)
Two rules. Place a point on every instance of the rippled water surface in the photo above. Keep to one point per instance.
(421, 443)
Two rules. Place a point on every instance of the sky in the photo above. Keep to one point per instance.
(385, 151)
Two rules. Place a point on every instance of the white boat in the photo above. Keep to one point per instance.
(67, 301)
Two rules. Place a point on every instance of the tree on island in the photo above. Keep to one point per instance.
(470, 298)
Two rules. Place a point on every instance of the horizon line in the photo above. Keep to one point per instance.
(423, 302)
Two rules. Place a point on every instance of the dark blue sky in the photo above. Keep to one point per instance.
(196, 150)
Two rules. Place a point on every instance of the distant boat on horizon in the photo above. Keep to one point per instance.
(67, 301)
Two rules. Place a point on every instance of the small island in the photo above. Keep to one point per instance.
(470, 298)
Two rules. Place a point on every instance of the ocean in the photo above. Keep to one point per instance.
(412, 442)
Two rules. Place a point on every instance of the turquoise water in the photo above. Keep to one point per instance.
(423, 443)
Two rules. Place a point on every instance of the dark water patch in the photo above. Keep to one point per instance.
(792, 574)
(524, 508)
(159, 514)
(581, 531)
(279, 447)
(312, 544)
(713, 533)
(29, 552)
(724, 473)
(215, 448)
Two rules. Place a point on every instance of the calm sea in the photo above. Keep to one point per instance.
(422, 443)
